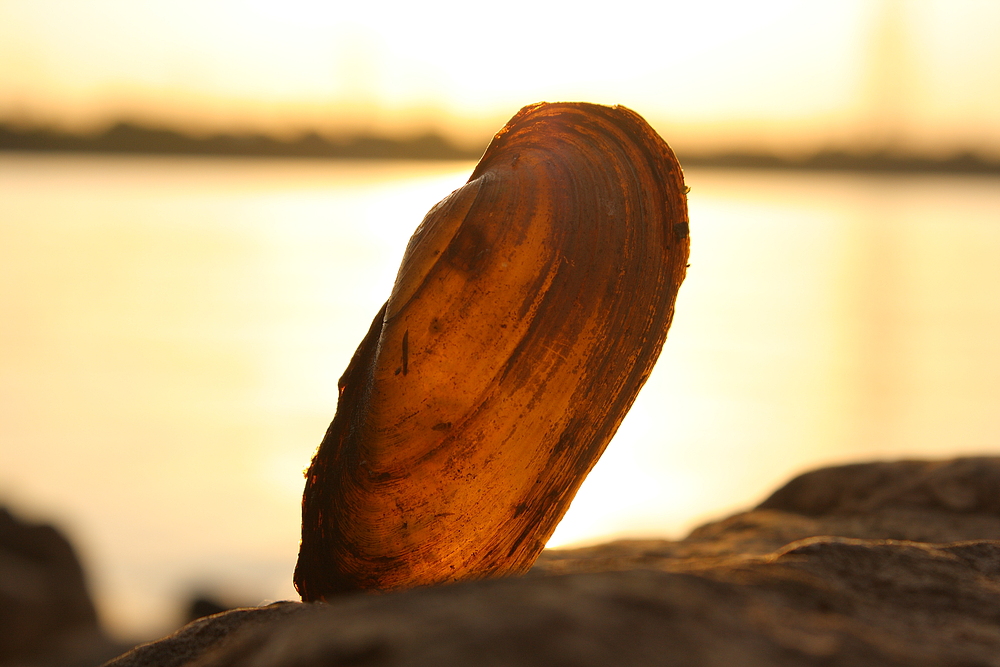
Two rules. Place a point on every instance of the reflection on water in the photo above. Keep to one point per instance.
(171, 332)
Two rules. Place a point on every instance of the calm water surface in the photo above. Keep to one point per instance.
(172, 329)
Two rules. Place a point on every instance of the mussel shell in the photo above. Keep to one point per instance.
(529, 309)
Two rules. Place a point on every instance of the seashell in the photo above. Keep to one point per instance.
(528, 311)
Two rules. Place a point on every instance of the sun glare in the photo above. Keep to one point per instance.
(723, 69)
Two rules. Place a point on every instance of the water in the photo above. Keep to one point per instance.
(172, 329)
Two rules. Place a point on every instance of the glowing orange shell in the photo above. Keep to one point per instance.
(529, 309)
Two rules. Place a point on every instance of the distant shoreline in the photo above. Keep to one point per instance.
(130, 138)
(874, 162)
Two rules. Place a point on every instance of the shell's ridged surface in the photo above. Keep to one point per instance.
(528, 311)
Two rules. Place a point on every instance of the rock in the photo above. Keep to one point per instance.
(872, 564)
(205, 604)
(46, 613)
(904, 500)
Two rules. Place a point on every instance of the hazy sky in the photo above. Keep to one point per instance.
(777, 73)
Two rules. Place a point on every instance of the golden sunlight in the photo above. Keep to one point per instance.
(173, 322)
(776, 74)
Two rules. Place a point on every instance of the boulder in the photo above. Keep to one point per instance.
(46, 614)
(868, 564)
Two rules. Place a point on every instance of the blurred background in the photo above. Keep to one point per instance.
(203, 204)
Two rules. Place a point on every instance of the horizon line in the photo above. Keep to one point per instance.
(129, 137)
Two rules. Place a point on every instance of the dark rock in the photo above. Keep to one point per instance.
(204, 604)
(46, 613)
(959, 486)
(875, 564)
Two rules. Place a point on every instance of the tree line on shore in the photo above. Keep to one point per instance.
(126, 137)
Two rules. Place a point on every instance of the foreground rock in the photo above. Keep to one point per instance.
(872, 564)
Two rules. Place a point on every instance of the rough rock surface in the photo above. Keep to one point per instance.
(871, 564)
